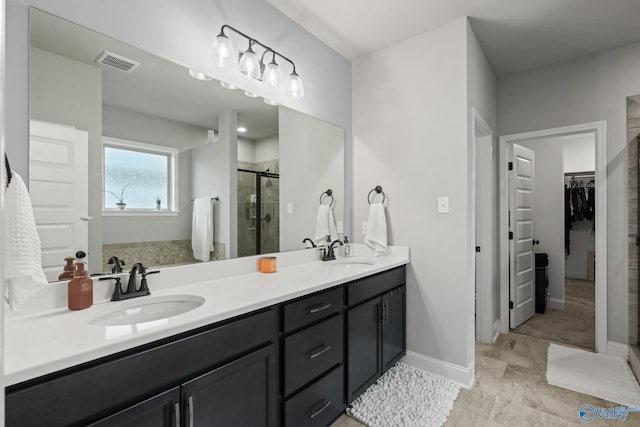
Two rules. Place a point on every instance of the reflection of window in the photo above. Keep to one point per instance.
(142, 173)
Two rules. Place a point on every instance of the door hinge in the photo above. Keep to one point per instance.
(477, 248)
(510, 305)
(638, 240)
(510, 166)
(511, 235)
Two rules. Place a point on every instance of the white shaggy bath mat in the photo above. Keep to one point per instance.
(406, 396)
(601, 375)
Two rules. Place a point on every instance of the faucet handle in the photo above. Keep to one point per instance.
(143, 283)
(117, 289)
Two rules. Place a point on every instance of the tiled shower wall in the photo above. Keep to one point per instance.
(156, 254)
(633, 130)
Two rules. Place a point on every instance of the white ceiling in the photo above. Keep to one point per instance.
(516, 35)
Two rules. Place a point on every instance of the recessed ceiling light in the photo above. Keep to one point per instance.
(250, 94)
(199, 75)
(227, 85)
(270, 101)
(241, 129)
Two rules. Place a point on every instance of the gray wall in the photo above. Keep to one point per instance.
(182, 32)
(413, 140)
(585, 90)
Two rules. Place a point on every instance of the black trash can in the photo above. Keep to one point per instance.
(542, 281)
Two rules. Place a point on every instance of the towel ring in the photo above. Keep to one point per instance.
(378, 190)
(328, 193)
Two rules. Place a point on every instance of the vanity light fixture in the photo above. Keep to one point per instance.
(254, 68)
(198, 75)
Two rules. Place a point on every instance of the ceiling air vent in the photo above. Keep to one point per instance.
(116, 61)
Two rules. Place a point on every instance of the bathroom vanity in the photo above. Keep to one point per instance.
(325, 333)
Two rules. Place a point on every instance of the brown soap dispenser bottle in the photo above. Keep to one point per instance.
(80, 289)
(68, 269)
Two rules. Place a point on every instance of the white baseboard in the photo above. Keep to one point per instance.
(496, 330)
(556, 304)
(617, 349)
(457, 373)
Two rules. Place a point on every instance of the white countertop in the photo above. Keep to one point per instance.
(46, 341)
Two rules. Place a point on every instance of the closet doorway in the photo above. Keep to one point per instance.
(575, 311)
(564, 219)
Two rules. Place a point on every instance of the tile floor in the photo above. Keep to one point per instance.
(511, 390)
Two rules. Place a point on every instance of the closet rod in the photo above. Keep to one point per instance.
(570, 175)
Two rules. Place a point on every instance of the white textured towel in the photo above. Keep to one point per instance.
(22, 266)
(376, 236)
(202, 229)
(325, 224)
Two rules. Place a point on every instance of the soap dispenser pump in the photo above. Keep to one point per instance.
(346, 247)
(80, 289)
(68, 269)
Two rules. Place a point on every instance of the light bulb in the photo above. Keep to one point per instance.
(249, 64)
(271, 74)
(295, 88)
(223, 51)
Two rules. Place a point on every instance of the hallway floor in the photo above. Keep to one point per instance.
(511, 389)
(575, 325)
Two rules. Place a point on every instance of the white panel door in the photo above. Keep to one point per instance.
(522, 277)
(58, 175)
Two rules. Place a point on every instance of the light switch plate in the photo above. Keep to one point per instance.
(443, 205)
(364, 227)
(289, 208)
(340, 226)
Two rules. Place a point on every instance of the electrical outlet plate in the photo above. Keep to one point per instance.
(364, 227)
(443, 205)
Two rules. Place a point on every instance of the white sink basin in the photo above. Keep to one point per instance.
(351, 264)
(146, 309)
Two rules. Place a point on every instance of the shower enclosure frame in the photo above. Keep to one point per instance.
(259, 175)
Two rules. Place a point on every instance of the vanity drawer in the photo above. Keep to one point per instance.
(310, 309)
(309, 353)
(369, 287)
(317, 405)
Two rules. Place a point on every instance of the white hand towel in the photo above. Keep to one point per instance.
(202, 229)
(376, 236)
(23, 274)
(325, 224)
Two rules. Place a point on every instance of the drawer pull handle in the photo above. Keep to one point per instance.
(318, 308)
(315, 413)
(314, 354)
(176, 412)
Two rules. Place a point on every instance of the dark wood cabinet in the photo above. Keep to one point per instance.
(159, 411)
(241, 393)
(376, 329)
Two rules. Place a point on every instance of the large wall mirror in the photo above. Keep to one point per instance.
(159, 138)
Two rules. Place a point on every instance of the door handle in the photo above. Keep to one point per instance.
(176, 413)
(86, 218)
(318, 308)
(190, 413)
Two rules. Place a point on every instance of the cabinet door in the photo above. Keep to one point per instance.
(394, 344)
(240, 393)
(159, 411)
(363, 325)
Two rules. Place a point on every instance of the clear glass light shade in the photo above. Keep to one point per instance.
(271, 75)
(223, 51)
(295, 88)
(249, 64)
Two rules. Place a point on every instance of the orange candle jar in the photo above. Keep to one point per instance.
(268, 264)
